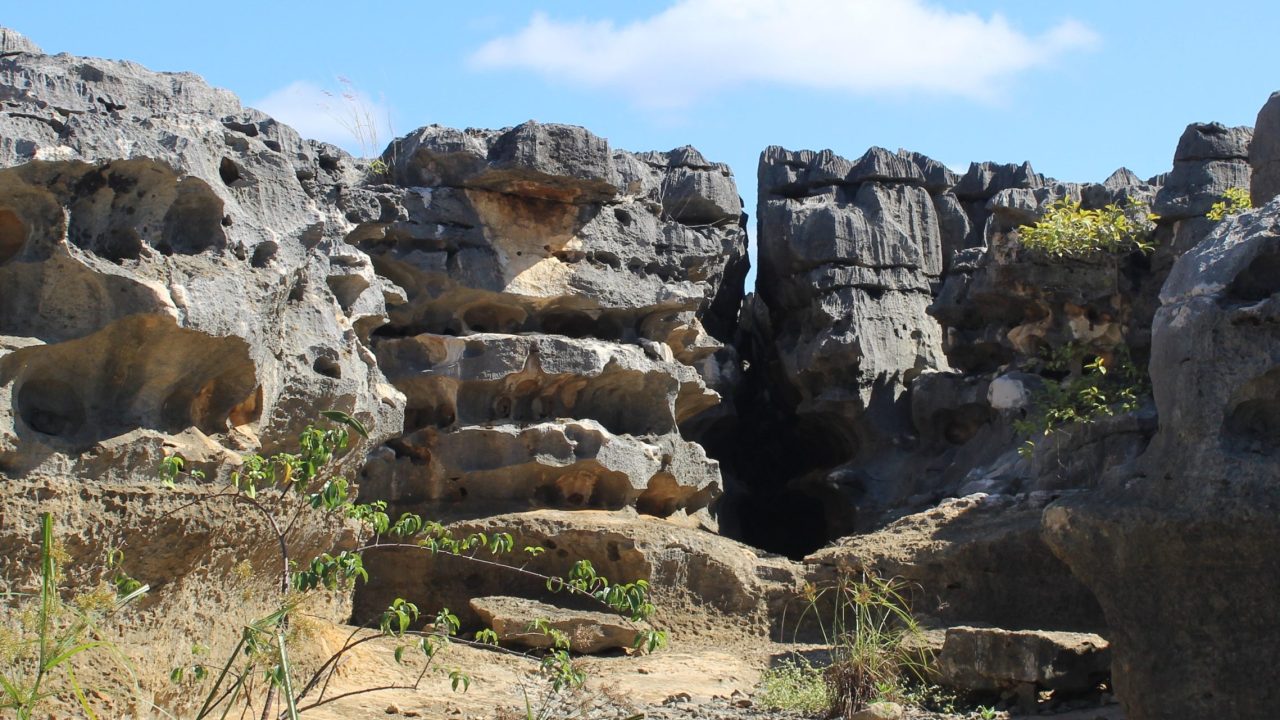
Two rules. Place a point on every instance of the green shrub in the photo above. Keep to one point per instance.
(796, 685)
(1098, 388)
(1234, 201)
(1068, 230)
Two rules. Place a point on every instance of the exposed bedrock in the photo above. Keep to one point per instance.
(543, 228)
(1264, 153)
(166, 285)
(518, 421)
(900, 328)
(1180, 549)
(703, 584)
(561, 314)
(151, 226)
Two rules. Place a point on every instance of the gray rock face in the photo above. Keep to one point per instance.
(12, 43)
(554, 297)
(1264, 153)
(542, 228)
(891, 294)
(487, 427)
(977, 559)
(1196, 518)
(181, 273)
(167, 263)
(1210, 159)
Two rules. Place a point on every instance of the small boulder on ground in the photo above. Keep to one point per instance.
(588, 632)
(997, 659)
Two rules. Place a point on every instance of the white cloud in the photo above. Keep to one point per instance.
(340, 115)
(696, 48)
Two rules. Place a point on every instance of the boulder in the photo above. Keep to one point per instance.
(587, 632)
(976, 559)
(994, 659)
(705, 586)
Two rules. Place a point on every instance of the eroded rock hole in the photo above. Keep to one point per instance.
(120, 244)
(264, 253)
(328, 367)
(1259, 281)
(568, 323)
(13, 235)
(51, 407)
(230, 173)
(491, 318)
(347, 289)
(1252, 421)
(193, 222)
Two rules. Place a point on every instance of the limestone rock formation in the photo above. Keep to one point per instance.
(900, 328)
(506, 421)
(1179, 550)
(165, 265)
(976, 559)
(1264, 153)
(165, 256)
(560, 304)
(548, 336)
(1210, 159)
(543, 228)
(183, 274)
(703, 585)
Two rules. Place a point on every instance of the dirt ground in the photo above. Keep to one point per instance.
(692, 680)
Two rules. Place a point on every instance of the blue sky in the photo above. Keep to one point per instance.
(1078, 88)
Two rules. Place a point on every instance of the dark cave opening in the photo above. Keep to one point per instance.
(770, 463)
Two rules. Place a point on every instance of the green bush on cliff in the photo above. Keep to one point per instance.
(1094, 388)
(1234, 201)
(1068, 230)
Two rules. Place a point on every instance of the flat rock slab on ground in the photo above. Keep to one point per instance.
(996, 659)
(588, 632)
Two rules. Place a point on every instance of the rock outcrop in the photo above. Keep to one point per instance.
(1264, 153)
(548, 336)
(1179, 550)
(987, 659)
(522, 318)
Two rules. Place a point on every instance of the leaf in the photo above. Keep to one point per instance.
(340, 417)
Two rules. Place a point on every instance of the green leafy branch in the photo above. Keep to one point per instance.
(1235, 200)
(1103, 387)
(280, 489)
